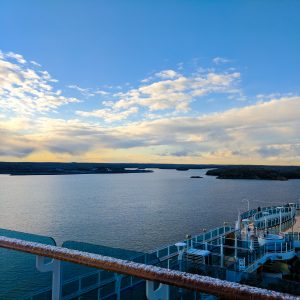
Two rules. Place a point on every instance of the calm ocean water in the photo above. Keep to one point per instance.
(131, 211)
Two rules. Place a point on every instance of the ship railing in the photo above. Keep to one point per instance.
(274, 212)
(296, 205)
(83, 284)
(292, 236)
(276, 251)
(166, 278)
(168, 258)
(213, 234)
(230, 252)
(286, 220)
(169, 251)
(270, 209)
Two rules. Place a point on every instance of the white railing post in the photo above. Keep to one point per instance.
(54, 267)
(235, 246)
(79, 285)
(222, 253)
(99, 294)
(162, 292)
(118, 280)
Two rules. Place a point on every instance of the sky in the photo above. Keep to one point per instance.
(150, 81)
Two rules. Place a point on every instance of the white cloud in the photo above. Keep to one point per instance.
(100, 92)
(178, 92)
(261, 133)
(89, 92)
(220, 60)
(24, 90)
(167, 74)
(18, 57)
(265, 132)
(84, 91)
(109, 115)
(35, 63)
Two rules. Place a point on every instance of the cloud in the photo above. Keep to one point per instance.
(233, 135)
(167, 74)
(100, 92)
(84, 91)
(150, 120)
(35, 63)
(24, 90)
(88, 92)
(175, 92)
(109, 115)
(220, 60)
(254, 134)
(18, 57)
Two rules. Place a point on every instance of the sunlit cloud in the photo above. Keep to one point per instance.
(253, 134)
(26, 90)
(109, 115)
(83, 91)
(178, 91)
(153, 121)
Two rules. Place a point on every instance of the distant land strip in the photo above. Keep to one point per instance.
(258, 172)
(282, 173)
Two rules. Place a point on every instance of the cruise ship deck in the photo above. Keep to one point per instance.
(257, 257)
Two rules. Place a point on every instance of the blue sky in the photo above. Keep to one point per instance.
(165, 81)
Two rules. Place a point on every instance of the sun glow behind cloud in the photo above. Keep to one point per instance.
(153, 121)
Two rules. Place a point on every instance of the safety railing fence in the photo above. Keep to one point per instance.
(101, 280)
(181, 280)
(167, 257)
(292, 236)
(275, 211)
(87, 280)
(94, 285)
(23, 266)
(84, 279)
(273, 226)
(270, 209)
(205, 236)
(230, 253)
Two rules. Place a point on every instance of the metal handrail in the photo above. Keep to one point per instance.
(200, 283)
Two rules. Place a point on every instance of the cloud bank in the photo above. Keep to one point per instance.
(122, 129)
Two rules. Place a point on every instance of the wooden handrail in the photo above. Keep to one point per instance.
(225, 289)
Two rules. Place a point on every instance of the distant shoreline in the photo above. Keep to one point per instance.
(50, 168)
(257, 172)
(77, 172)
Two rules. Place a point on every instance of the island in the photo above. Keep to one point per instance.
(282, 173)
(17, 169)
(67, 168)
(220, 171)
(182, 169)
